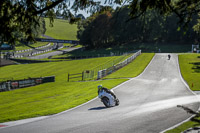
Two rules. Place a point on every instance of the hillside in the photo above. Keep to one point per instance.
(61, 29)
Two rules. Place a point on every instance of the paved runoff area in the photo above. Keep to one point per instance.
(148, 104)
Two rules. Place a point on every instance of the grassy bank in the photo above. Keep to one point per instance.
(190, 69)
(133, 69)
(53, 97)
(59, 69)
(48, 98)
(61, 29)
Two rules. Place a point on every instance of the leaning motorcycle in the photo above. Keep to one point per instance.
(107, 99)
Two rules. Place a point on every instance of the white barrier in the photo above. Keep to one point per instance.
(20, 51)
(34, 53)
(104, 72)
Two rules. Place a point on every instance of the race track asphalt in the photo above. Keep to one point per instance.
(58, 52)
(147, 105)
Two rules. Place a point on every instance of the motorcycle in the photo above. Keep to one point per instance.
(108, 99)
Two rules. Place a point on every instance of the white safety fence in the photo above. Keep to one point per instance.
(31, 54)
(104, 72)
(25, 50)
(36, 52)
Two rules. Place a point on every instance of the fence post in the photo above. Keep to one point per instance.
(9, 85)
(82, 75)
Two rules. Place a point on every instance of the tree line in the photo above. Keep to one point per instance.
(22, 15)
(113, 27)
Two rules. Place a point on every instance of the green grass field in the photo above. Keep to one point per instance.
(48, 98)
(190, 69)
(61, 29)
(51, 98)
(134, 68)
(59, 69)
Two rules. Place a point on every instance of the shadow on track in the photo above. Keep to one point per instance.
(97, 108)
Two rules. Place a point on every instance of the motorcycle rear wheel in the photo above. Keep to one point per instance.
(105, 101)
(117, 102)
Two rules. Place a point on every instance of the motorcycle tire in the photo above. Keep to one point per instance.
(105, 101)
(117, 102)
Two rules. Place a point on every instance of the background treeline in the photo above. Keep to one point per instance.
(36, 30)
(113, 27)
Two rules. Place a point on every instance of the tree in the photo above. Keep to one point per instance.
(94, 32)
(22, 15)
(111, 28)
(19, 15)
(185, 10)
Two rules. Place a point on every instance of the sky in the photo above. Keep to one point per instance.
(85, 14)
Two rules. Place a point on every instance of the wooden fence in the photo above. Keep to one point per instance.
(76, 75)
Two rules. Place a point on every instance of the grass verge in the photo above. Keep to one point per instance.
(183, 127)
(190, 69)
(133, 69)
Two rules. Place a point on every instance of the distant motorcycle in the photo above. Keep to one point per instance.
(108, 99)
(169, 56)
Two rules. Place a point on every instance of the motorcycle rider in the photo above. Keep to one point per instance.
(100, 87)
(169, 56)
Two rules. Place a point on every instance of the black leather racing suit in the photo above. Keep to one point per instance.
(108, 91)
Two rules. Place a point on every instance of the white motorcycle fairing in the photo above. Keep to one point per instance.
(103, 94)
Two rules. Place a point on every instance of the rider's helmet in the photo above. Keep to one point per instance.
(100, 87)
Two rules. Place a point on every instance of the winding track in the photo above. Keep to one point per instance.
(58, 52)
(147, 105)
